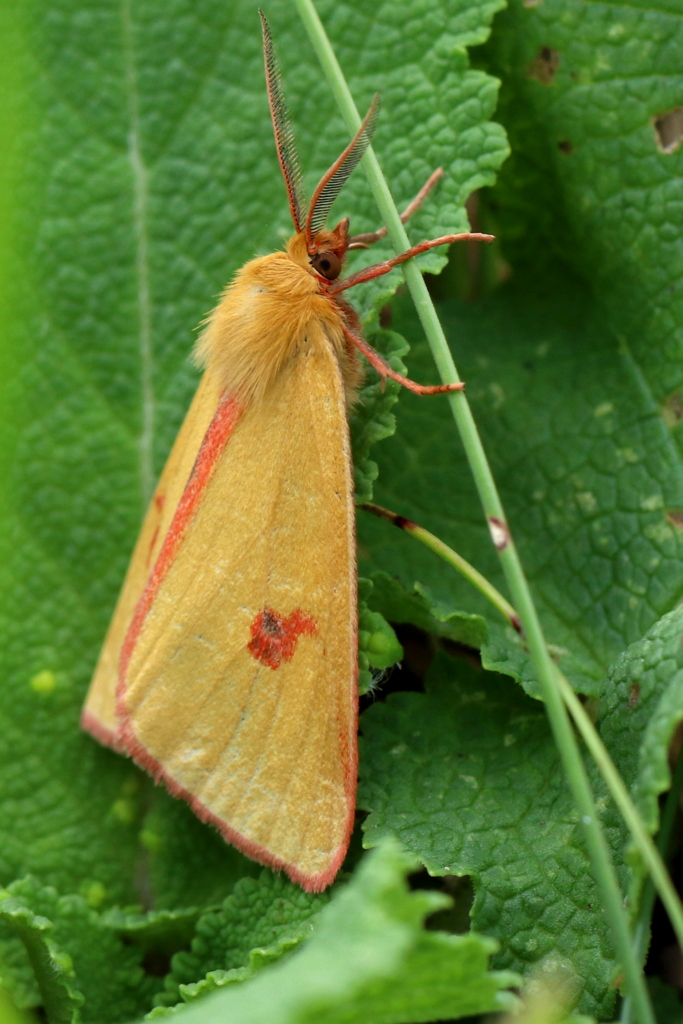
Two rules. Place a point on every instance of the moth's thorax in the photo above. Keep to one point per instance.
(264, 316)
(298, 254)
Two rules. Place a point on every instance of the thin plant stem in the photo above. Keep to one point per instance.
(659, 880)
(450, 556)
(598, 851)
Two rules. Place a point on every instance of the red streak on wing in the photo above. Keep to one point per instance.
(221, 427)
(274, 638)
(160, 501)
(152, 543)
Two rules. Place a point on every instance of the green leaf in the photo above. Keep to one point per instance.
(641, 706)
(267, 916)
(369, 960)
(378, 647)
(76, 958)
(11, 1013)
(421, 609)
(588, 471)
(665, 1002)
(52, 967)
(468, 779)
(584, 86)
(158, 930)
(574, 371)
(371, 418)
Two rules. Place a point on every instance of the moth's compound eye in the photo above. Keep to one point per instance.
(327, 264)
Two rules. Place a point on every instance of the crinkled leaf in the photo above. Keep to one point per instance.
(467, 777)
(371, 419)
(370, 961)
(158, 930)
(584, 87)
(378, 646)
(268, 915)
(78, 952)
(420, 608)
(641, 706)
(587, 467)
(52, 968)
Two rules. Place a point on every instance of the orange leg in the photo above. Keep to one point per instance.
(378, 269)
(384, 370)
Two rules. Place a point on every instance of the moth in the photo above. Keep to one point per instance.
(229, 671)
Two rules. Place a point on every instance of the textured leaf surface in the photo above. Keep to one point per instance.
(575, 374)
(45, 972)
(144, 174)
(76, 958)
(269, 914)
(467, 778)
(641, 707)
(584, 87)
(587, 467)
(160, 930)
(572, 370)
(370, 961)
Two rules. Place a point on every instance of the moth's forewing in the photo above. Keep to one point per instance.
(238, 685)
(99, 711)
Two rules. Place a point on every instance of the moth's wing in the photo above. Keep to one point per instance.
(238, 681)
(99, 711)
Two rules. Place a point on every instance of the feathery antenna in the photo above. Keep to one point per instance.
(332, 182)
(282, 127)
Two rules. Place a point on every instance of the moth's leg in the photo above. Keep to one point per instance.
(384, 370)
(368, 239)
(378, 269)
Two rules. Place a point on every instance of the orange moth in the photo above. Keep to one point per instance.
(229, 671)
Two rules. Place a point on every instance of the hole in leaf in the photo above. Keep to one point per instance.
(675, 517)
(566, 146)
(544, 65)
(456, 918)
(672, 410)
(669, 130)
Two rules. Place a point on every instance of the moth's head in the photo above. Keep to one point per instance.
(325, 249)
(324, 255)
